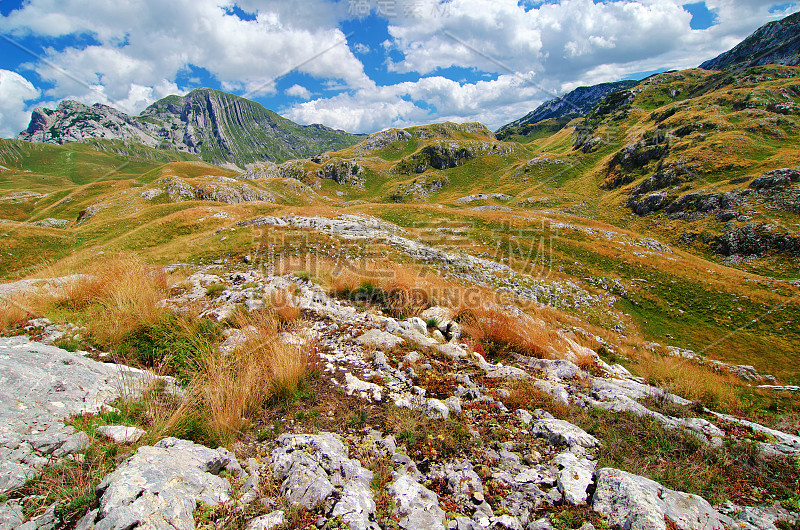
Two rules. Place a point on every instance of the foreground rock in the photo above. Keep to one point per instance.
(160, 486)
(637, 503)
(40, 386)
(309, 468)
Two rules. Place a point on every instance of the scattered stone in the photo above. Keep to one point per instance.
(560, 432)
(368, 391)
(437, 410)
(267, 522)
(121, 434)
(379, 339)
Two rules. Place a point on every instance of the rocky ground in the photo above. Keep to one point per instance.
(483, 465)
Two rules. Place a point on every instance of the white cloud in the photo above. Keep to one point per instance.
(147, 42)
(138, 48)
(562, 45)
(15, 90)
(367, 110)
(298, 91)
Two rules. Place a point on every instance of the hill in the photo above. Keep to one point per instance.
(774, 43)
(221, 128)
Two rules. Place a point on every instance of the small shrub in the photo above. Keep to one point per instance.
(213, 291)
(303, 275)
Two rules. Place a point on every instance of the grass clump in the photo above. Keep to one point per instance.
(574, 517)
(686, 378)
(71, 483)
(501, 335)
(213, 291)
(427, 438)
(396, 290)
(171, 343)
(227, 388)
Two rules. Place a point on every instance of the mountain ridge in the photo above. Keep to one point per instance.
(776, 42)
(221, 128)
(571, 105)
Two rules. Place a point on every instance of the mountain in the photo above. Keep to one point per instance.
(774, 43)
(222, 128)
(576, 103)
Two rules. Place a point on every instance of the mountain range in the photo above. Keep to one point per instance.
(219, 127)
(237, 133)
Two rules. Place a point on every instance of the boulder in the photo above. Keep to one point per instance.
(437, 410)
(310, 466)
(417, 506)
(574, 478)
(638, 503)
(560, 432)
(160, 486)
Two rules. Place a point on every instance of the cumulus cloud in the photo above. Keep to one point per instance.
(132, 52)
(15, 90)
(404, 104)
(562, 45)
(147, 42)
(298, 92)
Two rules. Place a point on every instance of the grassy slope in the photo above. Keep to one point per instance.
(683, 299)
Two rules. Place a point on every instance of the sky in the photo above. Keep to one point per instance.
(357, 65)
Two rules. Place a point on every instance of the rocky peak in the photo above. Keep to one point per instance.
(777, 42)
(72, 121)
(576, 103)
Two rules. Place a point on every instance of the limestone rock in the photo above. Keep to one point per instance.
(121, 434)
(160, 485)
(379, 339)
(267, 522)
(560, 432)
(417, 506)
(637, 503)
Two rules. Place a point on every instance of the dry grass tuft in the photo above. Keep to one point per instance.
(14, 311)
(229, 387)
(116, 296)
(692, 381)
(502, 334)
(396, 289)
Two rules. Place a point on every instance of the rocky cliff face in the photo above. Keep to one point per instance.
(774, 43)
(576, 103)
(72, 121)
(221, 128)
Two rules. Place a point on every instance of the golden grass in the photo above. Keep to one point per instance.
(228, 388)
(399, 290)
(118, 295)
(14, 311)
(686, 378)
(497, 329)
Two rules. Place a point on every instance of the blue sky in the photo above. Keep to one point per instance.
(359, 65)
